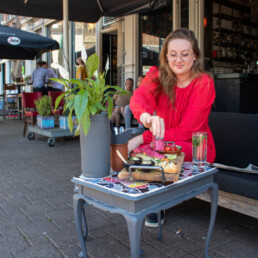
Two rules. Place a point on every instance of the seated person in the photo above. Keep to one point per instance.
(52, 85)
(128, 113)
(39, 78)
(120, 101)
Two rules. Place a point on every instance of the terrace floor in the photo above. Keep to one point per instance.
(36, 212)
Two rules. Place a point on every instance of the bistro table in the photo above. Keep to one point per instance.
(134, 200)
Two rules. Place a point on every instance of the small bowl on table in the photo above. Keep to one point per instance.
(133, 161)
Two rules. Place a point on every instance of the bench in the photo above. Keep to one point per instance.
(236, 141)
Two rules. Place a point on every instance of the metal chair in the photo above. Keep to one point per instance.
(30, 112)
(11, 98)
(2, 105)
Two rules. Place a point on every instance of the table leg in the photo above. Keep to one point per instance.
(134, 224)
(213, 192)
(79, 217)
(160, 226)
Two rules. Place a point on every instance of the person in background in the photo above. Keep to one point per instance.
(120, 101)
(128, 112)
(52, 85)
(182, 95)
(81, 72)
(39, 78)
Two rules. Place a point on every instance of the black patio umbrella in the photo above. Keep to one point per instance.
(79, 10)
(20, 44)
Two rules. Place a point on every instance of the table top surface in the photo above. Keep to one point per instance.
(135, 190)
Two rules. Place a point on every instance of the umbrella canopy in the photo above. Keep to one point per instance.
(20, 44)
(79, 10)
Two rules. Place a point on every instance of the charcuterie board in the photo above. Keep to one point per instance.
(155, 175)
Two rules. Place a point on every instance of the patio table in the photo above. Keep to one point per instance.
(123, 197)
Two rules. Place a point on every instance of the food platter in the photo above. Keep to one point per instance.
(155, 175)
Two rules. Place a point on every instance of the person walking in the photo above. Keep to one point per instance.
(81, 72)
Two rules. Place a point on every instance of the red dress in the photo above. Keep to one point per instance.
(190, 114)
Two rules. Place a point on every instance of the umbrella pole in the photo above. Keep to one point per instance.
(65, 37)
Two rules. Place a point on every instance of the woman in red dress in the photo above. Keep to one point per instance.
(181, 94)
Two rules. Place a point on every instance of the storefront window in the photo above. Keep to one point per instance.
(85, 38)
(154, 27)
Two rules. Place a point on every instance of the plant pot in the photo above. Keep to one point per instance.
(95, 147)
(63, 122)
(45, 122)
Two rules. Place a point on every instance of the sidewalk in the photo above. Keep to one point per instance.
(36, 212)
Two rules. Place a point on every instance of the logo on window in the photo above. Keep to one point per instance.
(14, 41)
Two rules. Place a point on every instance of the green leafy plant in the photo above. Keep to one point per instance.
(89, 97)
(43, 105)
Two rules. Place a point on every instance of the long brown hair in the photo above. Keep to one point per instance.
(166, 76)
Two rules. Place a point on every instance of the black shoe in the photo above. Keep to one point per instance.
(152, 220)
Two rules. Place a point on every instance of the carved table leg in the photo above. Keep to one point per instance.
(134, 224)
(213, 192)
(79, 217)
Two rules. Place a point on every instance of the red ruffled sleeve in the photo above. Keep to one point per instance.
(143, 99)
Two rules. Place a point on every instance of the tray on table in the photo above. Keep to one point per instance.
(155, 175)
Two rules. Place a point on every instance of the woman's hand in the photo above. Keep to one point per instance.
(135, 142)
(156, 125)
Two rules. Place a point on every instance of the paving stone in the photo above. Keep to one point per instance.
(237, 249)
(97, 221)
(242, 232)
(66, 237)
(8, 230)
(107, 247)
(39, 252)
(13, 243)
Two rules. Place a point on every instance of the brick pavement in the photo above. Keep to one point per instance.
(36, 215)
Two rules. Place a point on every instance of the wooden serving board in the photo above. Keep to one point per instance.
(155, 175)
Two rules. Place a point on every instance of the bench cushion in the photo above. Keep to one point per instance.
(238, 183)
(236, 141)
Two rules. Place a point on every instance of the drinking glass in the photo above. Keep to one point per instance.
(199, 143)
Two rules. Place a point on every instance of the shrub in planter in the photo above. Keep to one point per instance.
(43, 106)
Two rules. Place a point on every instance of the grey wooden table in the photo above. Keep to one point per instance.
(134, 207)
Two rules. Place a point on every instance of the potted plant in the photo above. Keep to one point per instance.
(43, 106)
(91, 101)
(63, 121)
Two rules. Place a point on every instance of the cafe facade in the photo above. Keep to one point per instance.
(129, 45)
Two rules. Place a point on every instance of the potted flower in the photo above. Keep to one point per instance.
(91, 101)
(43, 106)
(63, 121)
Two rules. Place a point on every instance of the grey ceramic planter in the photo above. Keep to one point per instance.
(95, 148)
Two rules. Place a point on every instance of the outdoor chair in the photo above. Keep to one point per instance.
(30, 112)
(11, 98)
(58, 112)
(2, 105)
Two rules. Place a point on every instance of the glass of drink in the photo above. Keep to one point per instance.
(199, 143)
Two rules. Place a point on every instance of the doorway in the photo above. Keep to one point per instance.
(110, 55)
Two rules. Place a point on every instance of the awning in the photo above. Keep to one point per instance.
(79, 10)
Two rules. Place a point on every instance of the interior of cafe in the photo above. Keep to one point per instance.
(230, 50)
